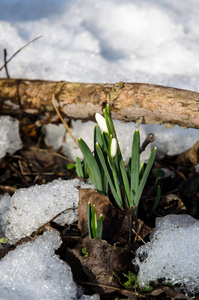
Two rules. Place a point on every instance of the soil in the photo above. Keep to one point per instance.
(122, 234)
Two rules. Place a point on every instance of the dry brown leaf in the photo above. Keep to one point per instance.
(191, 156)
(116, 223)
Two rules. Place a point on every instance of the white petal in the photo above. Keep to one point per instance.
(101, 122)
(113, 147)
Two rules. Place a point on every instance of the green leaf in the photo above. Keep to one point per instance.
(89, 220)
(105, 139)
(109, 122)
(147, 288)
(141, 170)
(108, 173)
(135, 164)
(157, 200)
(117, 177)
(99, 227)
(79, 169)
(99, 138)
(132, 280)
(92, 165)
(84, 252)
(93, 222)
(130, 283)
(144, 179)
(70, 166)
(159, 173)
(117, 276)
(3, 240)
(125, 182)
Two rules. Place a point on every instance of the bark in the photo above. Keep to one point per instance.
(143, 103)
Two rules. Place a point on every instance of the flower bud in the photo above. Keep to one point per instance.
(101, 122)
(113, 147)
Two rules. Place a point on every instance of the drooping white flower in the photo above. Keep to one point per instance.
(101, 122)
(113, 147)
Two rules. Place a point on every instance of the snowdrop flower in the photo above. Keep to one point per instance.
(113, 147)
(101, 122)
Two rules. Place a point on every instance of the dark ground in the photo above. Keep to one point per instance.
(37, 164)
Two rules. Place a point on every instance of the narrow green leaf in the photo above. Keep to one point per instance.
(118, 278)
(109, 122)
(144, 179)
(99, 227)
(114, 172)
(92, 165)
(93, 222)
(105, 139)
(157, 200)
(85, 167)
(112, 131)
(117, 184)
(89, 220)
(109, 151)
(108, 173)
(125, 182)
(87, 171)
(141, 170)
(79, 169)
(135, 162)
(97, 137)
(129, 169)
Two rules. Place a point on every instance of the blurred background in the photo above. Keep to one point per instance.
(103, 41)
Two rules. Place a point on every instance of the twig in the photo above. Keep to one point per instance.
(62, 119)
(8, 188)
(149, 139)
(16, 172)
(137, 236)
(5, 63)
(125, 292)
(56, 216)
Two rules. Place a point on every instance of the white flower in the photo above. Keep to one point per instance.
(113, 147)
(101, 122)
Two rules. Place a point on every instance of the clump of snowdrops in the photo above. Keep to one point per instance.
(106, 168)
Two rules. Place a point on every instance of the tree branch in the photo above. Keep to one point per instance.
(143, 103)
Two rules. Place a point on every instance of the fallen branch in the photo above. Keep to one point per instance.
(139, 102)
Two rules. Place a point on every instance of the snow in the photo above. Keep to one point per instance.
(32, 271)
(172, 253)
(103, 41)
(10, 140)
(170, 141)
(89, 41)
(30, 208)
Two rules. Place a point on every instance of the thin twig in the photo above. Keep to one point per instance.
(137, 236)
(126, 292)
(8, 188)
(16, 172)
(149, 139)
(63, 121)
(56, 216)
(5, 63)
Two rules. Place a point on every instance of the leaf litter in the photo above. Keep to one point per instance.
(122, 233)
